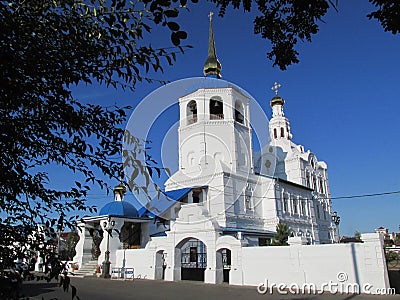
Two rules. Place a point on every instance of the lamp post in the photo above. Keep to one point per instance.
(336, 221)
(108, 227)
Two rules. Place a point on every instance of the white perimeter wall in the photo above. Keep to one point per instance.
(142, 260)
(361, 263)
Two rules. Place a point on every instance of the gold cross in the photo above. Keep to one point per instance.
(276, 87)
(210, 15)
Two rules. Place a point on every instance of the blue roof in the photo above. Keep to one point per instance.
(120, 209)
(158, 234)
(159, 205)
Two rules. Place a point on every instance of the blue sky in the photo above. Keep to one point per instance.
(342, 99)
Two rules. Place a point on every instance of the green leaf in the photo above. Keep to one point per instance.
(173, 26)
(171, 13)
(175, 39)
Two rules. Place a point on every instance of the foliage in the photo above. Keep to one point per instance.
(70, 243)
(357, 235)
(47, 47)
(282, 235)
(388, 14)
(286, 22)
(96, 241)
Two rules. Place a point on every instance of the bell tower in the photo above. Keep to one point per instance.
(214, 126)
(279, 125)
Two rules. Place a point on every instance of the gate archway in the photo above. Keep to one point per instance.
(193, 259)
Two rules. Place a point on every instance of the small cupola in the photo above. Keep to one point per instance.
(119, 192)
(279, 126)
(277, 100)
(118, 207)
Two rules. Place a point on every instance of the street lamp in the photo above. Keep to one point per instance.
(336, 221)
(108, 227)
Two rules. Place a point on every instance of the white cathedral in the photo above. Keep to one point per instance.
(225, 196)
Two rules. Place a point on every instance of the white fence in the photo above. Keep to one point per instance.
(359, 267)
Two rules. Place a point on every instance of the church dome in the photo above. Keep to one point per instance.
(119, 209)
(277, 100)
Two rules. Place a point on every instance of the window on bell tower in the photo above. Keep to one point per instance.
(282, 132)
(239, 112)
(191, 112)
(197, 196)
(216, 109)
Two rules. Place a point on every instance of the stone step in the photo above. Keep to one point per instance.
(87, 269)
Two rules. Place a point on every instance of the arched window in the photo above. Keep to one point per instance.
(282, 132)
(308, 183)
(321, 186)
(216, 109)
(239, 112)
(248, 201)
(191, 112)
(275, 134)
(315, 183)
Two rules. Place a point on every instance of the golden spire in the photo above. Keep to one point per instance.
(212, 66)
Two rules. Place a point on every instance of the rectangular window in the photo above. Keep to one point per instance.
(285, 203)
(193, 254)
(196, 195)
(295, 207)
(303, 207)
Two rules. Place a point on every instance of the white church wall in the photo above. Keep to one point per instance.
(264, 195)
(142, 260)
(361, 264)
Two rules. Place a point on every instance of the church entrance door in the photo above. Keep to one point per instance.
(161, 265)
(193, 260)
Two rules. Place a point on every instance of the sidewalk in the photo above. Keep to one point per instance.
(99, 289)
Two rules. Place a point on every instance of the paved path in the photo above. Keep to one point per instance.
(99, 289)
